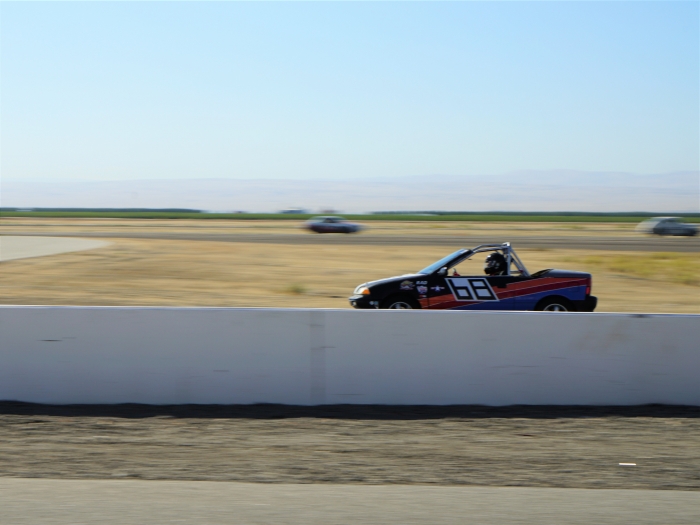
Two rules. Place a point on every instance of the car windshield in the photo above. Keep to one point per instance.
(442, 262)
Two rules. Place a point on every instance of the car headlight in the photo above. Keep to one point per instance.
(361, 290)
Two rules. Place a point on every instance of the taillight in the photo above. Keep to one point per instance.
(588, 289)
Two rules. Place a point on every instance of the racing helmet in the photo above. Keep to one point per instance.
(495, 264)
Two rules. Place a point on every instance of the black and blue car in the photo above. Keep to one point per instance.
(507, 285)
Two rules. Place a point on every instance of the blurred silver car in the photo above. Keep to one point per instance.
(666, 226)
(331, 224)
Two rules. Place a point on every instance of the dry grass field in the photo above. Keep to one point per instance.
(205, 273)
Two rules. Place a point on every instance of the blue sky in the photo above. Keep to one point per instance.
(129, 90)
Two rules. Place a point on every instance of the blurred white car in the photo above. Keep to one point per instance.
(666, 226)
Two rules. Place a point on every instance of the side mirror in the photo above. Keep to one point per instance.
(442, 272)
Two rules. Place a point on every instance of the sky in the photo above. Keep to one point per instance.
(346, 90)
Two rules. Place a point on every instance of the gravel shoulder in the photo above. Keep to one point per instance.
(575, 447)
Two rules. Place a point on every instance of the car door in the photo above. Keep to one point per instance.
(462, 292)
(509, 290)
(502, 286)
(473, 292)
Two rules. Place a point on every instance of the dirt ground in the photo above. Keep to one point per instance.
(516, 446)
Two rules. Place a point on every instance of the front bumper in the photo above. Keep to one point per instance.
(587, 305)
(362, 302)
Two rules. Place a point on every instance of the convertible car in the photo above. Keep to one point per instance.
(456, 282)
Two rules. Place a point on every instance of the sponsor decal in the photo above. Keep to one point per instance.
(422, 282)
(407, 285)
(437, 288)
(471, 289)
(422, 289)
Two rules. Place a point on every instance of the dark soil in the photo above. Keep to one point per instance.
(460, 445)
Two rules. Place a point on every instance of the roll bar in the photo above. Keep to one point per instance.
(508, 253)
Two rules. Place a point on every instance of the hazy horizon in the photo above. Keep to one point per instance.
(554, 190)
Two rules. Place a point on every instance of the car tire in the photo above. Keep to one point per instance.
(399, 302)
(555, 304)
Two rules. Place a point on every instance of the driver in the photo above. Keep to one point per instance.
(495, 264)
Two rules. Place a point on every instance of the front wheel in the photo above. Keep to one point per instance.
(554, 304)
(399, 303)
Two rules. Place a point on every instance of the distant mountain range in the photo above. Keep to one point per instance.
(559, 190)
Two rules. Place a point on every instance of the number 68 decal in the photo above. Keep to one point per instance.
(470, 289)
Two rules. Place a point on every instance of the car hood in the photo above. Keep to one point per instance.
(398, 278)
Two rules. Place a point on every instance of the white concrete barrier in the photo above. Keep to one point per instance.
(237, 355)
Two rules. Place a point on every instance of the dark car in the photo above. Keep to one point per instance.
(507, 285)
(331, 224)
(667, 226)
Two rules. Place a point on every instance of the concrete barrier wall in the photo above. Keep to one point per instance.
(235, 355)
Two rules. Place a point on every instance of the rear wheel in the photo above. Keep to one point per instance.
(554, 304)
(399, 302)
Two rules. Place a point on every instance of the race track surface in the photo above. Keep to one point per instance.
(641, 243)
(133, 502)
(25, 247)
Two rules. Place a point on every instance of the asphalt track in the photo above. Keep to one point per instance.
(127, 502)
(24, 247)
(642, 243)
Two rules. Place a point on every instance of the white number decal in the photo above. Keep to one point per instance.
(468, 289)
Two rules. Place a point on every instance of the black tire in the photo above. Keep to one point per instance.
(399, 302)
(555, 304)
